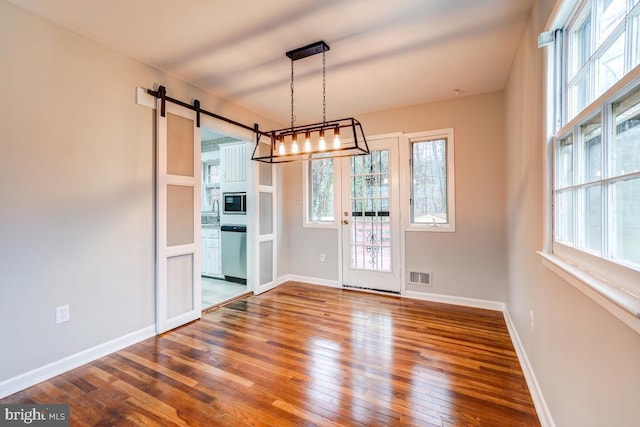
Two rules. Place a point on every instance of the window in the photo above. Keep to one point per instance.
(210, 186)
(431, 198)
(319, 181)
(603, 45)
(596, 151)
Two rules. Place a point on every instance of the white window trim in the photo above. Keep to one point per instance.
(405, 153)
(602, 286)
(615, 300)
(306, 194)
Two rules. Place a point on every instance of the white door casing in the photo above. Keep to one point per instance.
(261, 179)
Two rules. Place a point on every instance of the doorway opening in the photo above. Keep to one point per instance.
(224, 253)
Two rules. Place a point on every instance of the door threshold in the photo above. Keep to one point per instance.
(362, 288)
(226, 301)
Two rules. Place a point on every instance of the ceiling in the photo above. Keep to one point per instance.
(383, 54)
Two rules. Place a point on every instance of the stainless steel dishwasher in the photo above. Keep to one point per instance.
(234, 252)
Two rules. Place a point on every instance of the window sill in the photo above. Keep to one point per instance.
(620, 302)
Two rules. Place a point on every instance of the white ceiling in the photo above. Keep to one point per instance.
(384, 54)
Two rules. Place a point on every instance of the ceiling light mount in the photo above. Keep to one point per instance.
(308, 50)
(282, 145)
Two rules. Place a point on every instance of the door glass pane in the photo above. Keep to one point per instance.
(266, 262)
(624, 226)
(180, 223)
(356, 207)
(179, 145)
(429, 183)
(625, 155)
(356, 186)
(370, 237)
(265, 171)
(266, 213)
(590, 218)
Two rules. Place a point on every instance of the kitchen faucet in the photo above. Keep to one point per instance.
(215, 208)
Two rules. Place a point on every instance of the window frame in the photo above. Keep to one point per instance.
(306, 191)
(208, 185)
(411, 138)
(613, 280)
(579, 12)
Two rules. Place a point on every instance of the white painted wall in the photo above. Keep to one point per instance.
(585, 360)
(76, 191)
(76, 215)
(305, 244)
(470, 262)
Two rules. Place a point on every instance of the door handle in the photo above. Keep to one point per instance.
(345, 221)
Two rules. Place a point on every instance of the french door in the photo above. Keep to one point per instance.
(370, 218)
(178, 298)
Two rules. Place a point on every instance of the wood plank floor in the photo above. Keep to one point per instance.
(304, 355)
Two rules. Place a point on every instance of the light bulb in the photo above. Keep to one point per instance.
(294, 147)
(307, 142)
(281, 149)
(336, 138)
(322, 144)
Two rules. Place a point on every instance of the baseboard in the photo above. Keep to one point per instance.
(313, 280)
(264, 288)
(544, 415)
(28, 379)
(450, 299)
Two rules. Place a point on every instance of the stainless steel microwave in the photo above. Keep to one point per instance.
(234, 203)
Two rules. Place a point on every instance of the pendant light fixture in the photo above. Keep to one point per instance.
(283, 145)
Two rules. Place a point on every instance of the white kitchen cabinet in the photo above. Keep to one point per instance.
(233, 162)
(210, 239)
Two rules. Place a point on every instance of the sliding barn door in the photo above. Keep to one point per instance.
(177, 217)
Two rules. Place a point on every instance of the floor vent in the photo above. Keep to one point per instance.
(417, 278)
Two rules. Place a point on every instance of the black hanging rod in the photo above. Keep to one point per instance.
(162, 94)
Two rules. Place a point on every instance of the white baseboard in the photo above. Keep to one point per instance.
(312, 280)
(46, 372)
(449, 299)
(544, 415)
(264, 288)
(28, 379)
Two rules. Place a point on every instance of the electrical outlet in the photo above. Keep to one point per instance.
(531, 323)
(62, 314)
(321, 257)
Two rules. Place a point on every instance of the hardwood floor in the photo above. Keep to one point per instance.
(305, 355)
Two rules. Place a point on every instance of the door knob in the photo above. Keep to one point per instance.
(345, 221)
